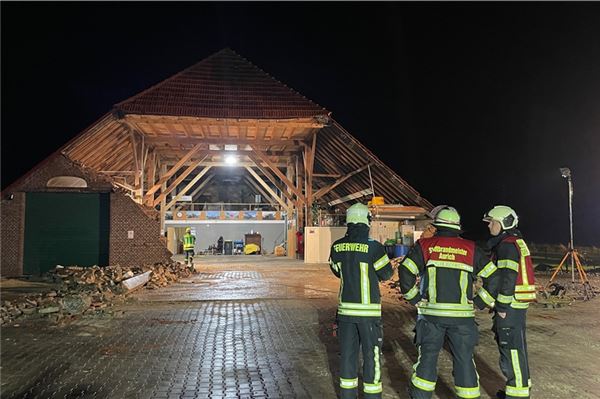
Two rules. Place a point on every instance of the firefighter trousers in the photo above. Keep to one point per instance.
(462, 337)
(512, 345)
(368, 335)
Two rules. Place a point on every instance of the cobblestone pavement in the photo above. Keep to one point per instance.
(261, 328)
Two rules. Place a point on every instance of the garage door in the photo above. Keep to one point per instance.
(65, 229)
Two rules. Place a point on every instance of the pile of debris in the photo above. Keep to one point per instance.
(88, 290)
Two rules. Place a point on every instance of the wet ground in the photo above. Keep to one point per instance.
(260, 327)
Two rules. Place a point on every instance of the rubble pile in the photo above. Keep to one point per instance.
(88, 290)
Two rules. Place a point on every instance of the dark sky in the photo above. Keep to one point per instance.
(474, 104)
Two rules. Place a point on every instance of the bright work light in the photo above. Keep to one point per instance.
(231, 159)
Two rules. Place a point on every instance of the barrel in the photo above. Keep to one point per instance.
(400, 250)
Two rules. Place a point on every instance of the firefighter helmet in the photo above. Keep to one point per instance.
(358, 213)
(188, 229)
(447, 217)
(504, 215)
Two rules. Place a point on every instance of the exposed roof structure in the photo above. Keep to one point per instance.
(166, 139)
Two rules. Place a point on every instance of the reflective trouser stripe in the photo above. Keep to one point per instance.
(514, 357)
(525, 296)
(505, 298)
(422, 384)
(377, 365)
(362, 313)
(519, 305)
(520, 392)
(346, 383)
(463, 392)
(360, 309)
(373, 388)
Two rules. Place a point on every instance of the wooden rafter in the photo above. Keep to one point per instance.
(266, 187)
(339, 181)
(201, 186)
(187, 187)
(258, 188)
(273, 180)
(176, 182)
(278, 172)
(149, 197)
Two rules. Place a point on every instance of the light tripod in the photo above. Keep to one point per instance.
(588, 292)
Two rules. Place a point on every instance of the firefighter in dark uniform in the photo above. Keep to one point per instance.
(360, 263)
(447, 266)
(516, 288)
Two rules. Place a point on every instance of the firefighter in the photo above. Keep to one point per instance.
(360, 263)
(189, 241)
(516, 288)
(447, 265)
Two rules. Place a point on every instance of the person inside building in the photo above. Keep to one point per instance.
(516, 288)
(437, 276)
(220, 246)
(189, 242)
(360, 263)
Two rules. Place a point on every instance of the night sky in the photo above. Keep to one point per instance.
(474, 104)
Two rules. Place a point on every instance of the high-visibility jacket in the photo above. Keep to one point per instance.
(513, 259)
(447, 266)
(360, 263)
(189, 241)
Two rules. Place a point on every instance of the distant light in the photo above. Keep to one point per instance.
(231, 160)
(230, 147)
(565, 172)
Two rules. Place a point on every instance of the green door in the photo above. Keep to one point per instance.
(65, 229)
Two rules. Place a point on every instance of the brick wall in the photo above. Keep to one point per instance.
(146, 246)
(12, 224)
(125, 215)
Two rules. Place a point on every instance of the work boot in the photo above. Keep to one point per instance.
(501, 394)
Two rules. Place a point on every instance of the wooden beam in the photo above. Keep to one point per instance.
(309, 123)
(260, 190)
(149, 197)
(175, 183)
(186, 188)
(279, 173)
(333, 175)
(267, 188)
(339, 181)
(275, 182)
(201, 186)
(174, 141)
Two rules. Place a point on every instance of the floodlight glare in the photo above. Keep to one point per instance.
(565, 172)
(231, 160)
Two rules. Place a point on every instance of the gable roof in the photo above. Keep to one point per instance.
(224, 85)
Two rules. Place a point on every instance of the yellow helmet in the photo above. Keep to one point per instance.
(447, 217)
(505, 215)
(188, 229)
(358, 213)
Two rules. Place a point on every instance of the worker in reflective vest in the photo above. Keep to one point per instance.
(189, 241)
(516, 288)
(360, 263)
(447, 266)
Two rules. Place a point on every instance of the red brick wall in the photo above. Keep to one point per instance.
(12, 224)
(146, 247)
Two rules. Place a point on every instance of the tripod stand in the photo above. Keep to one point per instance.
(588, 292)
